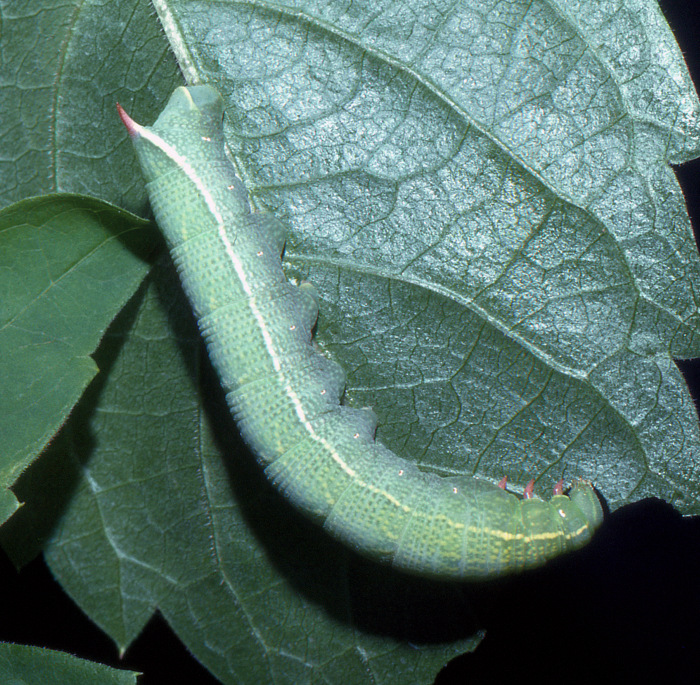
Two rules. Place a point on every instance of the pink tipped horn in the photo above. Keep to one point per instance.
(133, 129)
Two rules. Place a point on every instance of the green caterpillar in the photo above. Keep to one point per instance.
(286, 397)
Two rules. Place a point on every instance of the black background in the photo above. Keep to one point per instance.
(637, 584)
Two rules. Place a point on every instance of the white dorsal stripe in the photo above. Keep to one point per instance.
(184, 165)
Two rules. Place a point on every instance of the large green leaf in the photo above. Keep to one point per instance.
(159, 519)
(481, 193)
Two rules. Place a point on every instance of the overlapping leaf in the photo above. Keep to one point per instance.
(67, 263)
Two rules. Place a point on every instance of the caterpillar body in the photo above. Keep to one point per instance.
(286, 397)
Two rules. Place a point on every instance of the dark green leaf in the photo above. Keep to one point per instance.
(67, 264)
(25, 665)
